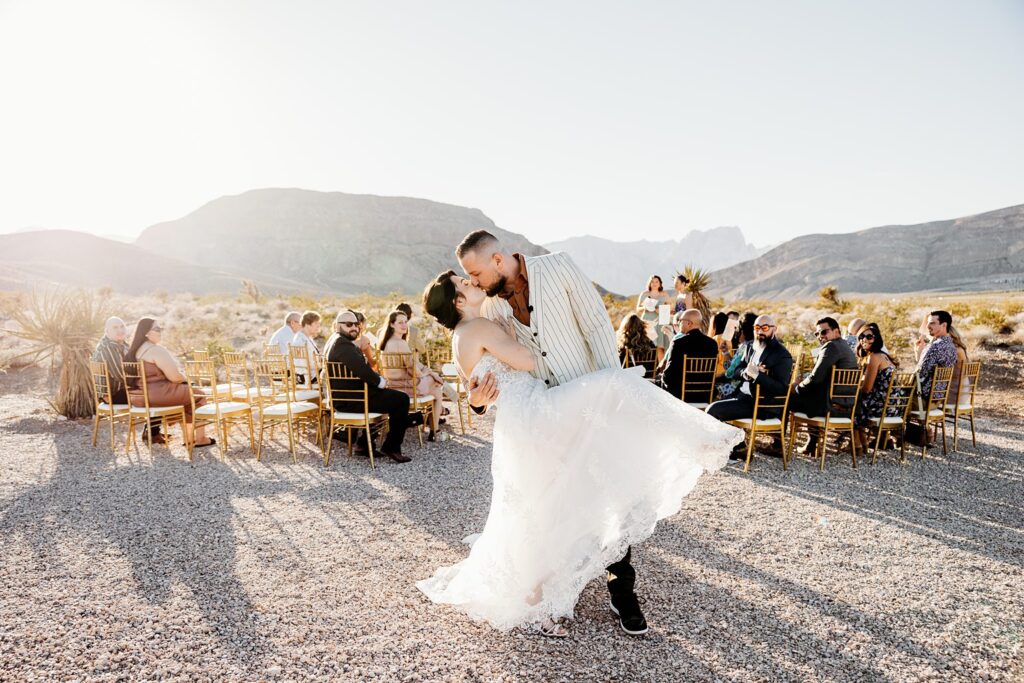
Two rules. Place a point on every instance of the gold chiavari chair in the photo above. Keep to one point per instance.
(272, 351)
(647, 359)
(219, 411)
(755, 425)
(450, 374)
(406, 362)
(845, 385)
(236, 367)
(272, 374)
(306, 365)
(345, 389)
(438, 356)
(699, 381)
(957, 408)
(199, 355)
(895, 409)
(135, 381)
(106, 409)
(932, 411)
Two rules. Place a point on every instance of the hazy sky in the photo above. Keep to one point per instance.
(618, 119)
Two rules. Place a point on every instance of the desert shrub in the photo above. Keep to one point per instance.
(251, 292)
(994, 319)
(63, 326)
(829, 297)
(959, 309)
(202, 334)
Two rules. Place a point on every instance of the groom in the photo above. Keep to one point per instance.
(553, 310)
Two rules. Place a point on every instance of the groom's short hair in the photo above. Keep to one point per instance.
(474, 241)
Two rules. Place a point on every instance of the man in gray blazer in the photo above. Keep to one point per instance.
(551, 308)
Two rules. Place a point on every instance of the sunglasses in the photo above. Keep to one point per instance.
(763, 328)
(866, 336)
(345, 324)
(821, 333)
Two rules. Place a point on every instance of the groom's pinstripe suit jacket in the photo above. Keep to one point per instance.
(570, 334)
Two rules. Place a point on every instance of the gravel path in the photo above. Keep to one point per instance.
(150, 568)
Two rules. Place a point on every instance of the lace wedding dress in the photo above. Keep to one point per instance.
(580, 472)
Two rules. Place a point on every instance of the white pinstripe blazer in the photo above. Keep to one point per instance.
(570, 334)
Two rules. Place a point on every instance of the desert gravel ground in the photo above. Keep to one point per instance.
(148, 567)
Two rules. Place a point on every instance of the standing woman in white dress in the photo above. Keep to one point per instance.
(581, 471)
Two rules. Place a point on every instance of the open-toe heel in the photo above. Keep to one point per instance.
(551, 629)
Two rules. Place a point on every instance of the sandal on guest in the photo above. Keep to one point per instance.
(551, 629)
(212, 442)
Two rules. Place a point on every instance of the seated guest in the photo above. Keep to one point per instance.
(632, 339)
(853, 330)
(428, 382)
(878, 369)
(724, 345)
(766, 363)
(283, 335)
(367, 341)
(939, 352)
(166, 384)
(308, 330)
(381, 398)
(811, 396)
(413, 339)
(689, 342)
(959, 392)
(110, 351)
(743, 340)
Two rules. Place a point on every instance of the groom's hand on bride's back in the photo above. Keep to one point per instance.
(482, 392)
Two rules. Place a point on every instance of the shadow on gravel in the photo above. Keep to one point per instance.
(151, 519)
(763, 637)
(969, 500)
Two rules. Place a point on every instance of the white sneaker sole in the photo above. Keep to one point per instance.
(623, 626)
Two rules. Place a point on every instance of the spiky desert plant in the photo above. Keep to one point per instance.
(699, 281)
(62, 326)
(829, 296)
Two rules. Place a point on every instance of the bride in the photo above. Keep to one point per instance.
(581, 471)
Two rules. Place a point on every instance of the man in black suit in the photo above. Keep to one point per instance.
(690, 342)
(766, 363)
(810, 397)
(381, 400)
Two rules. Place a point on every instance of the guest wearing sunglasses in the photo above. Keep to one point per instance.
(766, 363)
(810, 397)
(878, 368)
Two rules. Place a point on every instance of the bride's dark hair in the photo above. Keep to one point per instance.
(439, 300)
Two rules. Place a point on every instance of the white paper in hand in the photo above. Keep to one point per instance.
(664, 314)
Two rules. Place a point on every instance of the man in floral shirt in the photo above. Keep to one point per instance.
(940, 351)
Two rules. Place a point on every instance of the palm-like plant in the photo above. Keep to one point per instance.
(699, 281)
(63, 325)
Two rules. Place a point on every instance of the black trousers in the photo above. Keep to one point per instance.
(622, 575)
(738, 406)
(396, 404)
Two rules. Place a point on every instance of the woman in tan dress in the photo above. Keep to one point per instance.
(429, 383)
(165, 381)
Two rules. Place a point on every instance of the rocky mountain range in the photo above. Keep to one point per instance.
(289, 240)
(980, 252)
(625, 267)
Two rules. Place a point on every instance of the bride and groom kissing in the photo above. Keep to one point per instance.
(587, 456)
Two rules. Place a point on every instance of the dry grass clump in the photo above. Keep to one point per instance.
(63, 326)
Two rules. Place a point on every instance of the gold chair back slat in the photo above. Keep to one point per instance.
(199, 355)
(272, 351)
(699, 378)
(647, 359)
(101, 388)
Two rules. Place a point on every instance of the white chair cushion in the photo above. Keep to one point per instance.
(950, 408)
(221, 389)
(246, 393)
(886, 421)
(118, 408)
(298, 408)
(226, 408)
(338, 415)
(802, 416)
(746, 422)
(698, 406)
(423, 399)
(450, 370)
(919, 414)
(306, 394)
(821, 420)
(153, 410)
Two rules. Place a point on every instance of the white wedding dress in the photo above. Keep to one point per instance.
(581, 471)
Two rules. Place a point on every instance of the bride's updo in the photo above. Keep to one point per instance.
(439, 300)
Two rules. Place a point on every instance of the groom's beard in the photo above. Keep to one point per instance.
(498, 287)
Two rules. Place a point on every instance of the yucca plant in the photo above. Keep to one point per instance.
(63, 326)
(699, 281)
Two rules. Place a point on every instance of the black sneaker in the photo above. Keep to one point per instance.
(627, 608)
